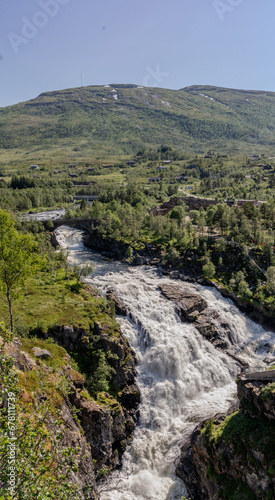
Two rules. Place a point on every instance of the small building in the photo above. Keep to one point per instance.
(167, 161)
(182, 178)
(87, 197)
(72, 165)
(34, 167)
(240, 203)
(83, 183)
(154, 179)
(91, 169)
(73, 175)
(162, 168)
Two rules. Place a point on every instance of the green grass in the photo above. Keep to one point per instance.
(244, 433)
(59, 357)
(48, 301)
(268, 391)
(74, 125)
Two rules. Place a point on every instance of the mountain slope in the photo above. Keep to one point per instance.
(123, 118)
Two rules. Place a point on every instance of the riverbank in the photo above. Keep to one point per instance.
(187, 269)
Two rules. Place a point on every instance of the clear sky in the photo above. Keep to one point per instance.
(48, 44)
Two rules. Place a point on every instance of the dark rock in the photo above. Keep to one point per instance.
(205, 327)
(188, 304)
(139, 260)
(97, 425)
(119, 304)
(258, 393)
(73, 436)
(210, 467)
(111, 425)
(130, 397)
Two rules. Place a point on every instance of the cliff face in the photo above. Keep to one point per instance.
(232, 457)
(100, 428)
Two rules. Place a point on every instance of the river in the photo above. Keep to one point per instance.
(183, 378)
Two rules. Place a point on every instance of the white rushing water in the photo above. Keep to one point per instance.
(183, 378)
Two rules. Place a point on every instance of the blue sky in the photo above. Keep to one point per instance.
(48, 44)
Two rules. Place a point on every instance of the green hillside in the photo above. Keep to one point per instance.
(117, 120)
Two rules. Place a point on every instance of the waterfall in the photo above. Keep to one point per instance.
(183, 378)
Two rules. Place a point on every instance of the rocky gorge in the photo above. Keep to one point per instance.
(232, 456)
(189, 345)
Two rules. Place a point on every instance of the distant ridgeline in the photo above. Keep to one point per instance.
(129, 116)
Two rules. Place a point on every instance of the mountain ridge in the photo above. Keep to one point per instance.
(126, 117)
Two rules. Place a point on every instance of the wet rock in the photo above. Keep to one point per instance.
(139, 260)
(205, 327)
(188, 305)
(119, 304)
(130, 397)
(175, 275)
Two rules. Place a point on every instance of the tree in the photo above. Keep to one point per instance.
(82, 272)
(83, 205)
(209, 270)
(270, 274)
(18, 260)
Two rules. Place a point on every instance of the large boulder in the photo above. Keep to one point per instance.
(188, 304)
(41, 353)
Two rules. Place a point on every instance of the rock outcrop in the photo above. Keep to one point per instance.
(256, 392)
(119, 304)
(73, 436)
(112, 424)
(232, 456)
(100, 429)
(191, 307)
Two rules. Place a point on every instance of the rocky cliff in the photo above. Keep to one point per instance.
(232, 456)
(98, 428)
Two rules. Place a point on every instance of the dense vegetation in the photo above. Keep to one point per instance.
(216, 236)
